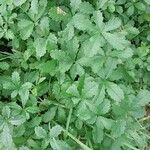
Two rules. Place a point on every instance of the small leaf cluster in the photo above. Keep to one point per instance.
(78, 75)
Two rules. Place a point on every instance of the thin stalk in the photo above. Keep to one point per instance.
(144, 119)
(85, 147)
(68, 120)
(130, 146)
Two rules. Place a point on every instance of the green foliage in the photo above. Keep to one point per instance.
(78, 74)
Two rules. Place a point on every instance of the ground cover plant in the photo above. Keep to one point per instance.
(74, 74)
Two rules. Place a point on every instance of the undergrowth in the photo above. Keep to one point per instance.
(74, 74)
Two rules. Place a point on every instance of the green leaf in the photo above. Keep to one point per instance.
(16, 77)
(111, 7)
(32, 109)
(1, 33)
(112, 24)
(9, 34)
(130, 10)
(83, 112)
(19, 3)
(118, 128)
(49, 115)
(51, 42)
(59, 145)
(1, 21)
(147, 1)
(68, 33)
(99, 19)
(72, 90)
(116, 40)
(6, 137)
(125, 54)
(107, 123)
(6, 112)
(61, 115)
(81, 84)
(115, 92)
(142, 98)
(64, 60)
(24, 148)
(75, 4)
(92, 46)
(17, 120)
(98, 133)
(86, 8)
(117, 144)
(44, 26)
(58, 14)
(14, 93)
(4, 65)
(24, 92)
(132, 31)
(73, 48)
(140, 6)
(37, 9)
(104, 107)
(90, 88)
(75, 70)
(81, 22)
(110, 65)
(40, 46)
(34, 6)
(101, 3)
(99, 97)
(25, 27)
(92, 107)
(54, 144)
(55, 131)
(40, 132)
(8, 85)
(48, 67)
(96, 64)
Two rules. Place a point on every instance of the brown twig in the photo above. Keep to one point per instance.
(145, 118)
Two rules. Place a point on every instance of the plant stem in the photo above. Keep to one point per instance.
(68, 120)
(85, 147)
